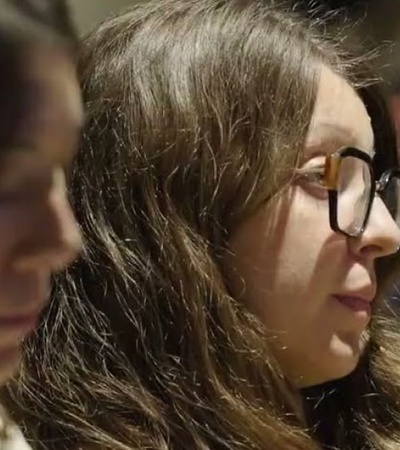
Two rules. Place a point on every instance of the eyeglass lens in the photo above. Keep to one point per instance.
(354, 190)
(354, 195)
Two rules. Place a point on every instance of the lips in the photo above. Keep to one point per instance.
(17, 326)
(355, 303)
(18, 321)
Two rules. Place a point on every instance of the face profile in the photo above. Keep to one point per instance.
(39, 232)
(312, 285)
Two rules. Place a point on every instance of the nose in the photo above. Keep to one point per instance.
(381, 236)
(54, 239)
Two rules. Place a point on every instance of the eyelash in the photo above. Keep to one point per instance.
(313, 175)
(313, 181)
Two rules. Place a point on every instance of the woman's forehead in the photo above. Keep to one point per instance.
(340, 118)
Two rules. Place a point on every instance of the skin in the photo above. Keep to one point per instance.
(287, 263)
(38, 229)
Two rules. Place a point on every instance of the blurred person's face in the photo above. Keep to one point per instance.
(38, 233)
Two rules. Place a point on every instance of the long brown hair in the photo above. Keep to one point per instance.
(197, 111)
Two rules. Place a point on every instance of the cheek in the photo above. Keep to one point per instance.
(285, 264)
(279, 263)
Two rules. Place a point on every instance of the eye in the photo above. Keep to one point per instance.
(314, 175)
(311, 179)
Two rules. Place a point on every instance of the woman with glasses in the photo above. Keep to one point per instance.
(238, 194)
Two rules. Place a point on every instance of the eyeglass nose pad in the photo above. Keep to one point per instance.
(379, 186)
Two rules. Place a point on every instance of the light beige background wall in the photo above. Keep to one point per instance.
(89, 12)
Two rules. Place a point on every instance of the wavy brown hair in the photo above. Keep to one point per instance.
(197, 112)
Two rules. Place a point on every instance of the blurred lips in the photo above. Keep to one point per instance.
(17, 321)
(21, 324)
(18, 324)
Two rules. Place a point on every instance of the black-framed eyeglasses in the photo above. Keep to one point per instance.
(349, 178)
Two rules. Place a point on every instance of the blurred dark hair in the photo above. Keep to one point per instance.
(26, 21)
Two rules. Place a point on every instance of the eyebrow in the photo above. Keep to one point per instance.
(342, 138)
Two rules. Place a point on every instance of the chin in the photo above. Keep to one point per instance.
(345, 353)
(323, 375)
(342, 369)
(339, 361)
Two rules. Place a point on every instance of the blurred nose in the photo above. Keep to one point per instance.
(53, 238)
(381, 236)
